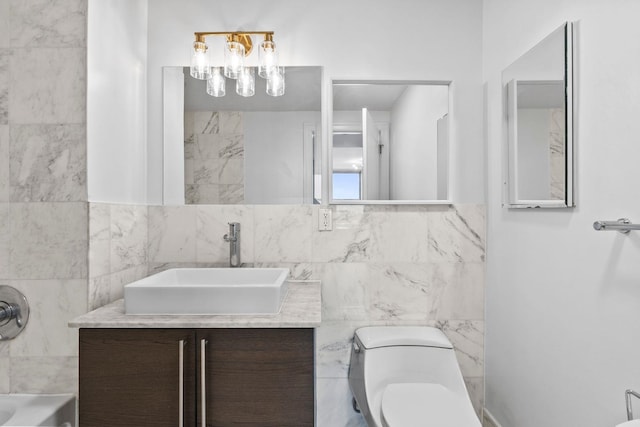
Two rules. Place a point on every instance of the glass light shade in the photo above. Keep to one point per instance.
(200, 61)
(233, 59)
(246, 83)
(216, 84)
(275, 82)
(267, 58)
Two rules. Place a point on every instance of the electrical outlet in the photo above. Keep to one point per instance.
(324, 220)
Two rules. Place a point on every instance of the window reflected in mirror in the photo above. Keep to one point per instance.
(390, 142)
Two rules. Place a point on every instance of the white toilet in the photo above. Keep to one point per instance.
(408, 376)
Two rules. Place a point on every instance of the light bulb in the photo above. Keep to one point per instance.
(268, 58)
(246, 83)
(216, 84)
(233, 59)
(275, 82)
(200, 64)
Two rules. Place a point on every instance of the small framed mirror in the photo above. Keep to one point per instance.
(389, 142)
(538, 124)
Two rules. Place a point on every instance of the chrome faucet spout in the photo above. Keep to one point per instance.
(233, 237)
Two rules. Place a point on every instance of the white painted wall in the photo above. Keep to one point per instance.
(273, 156)
(562, 300)
(352, 40)
(414, 134)
(116, 101)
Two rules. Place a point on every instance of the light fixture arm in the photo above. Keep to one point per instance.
(242, 37)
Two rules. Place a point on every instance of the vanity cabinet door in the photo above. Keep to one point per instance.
(131, 377)
(256, 377)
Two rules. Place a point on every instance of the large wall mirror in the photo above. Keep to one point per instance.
(538, 106)
(242, 150)
(389, 142)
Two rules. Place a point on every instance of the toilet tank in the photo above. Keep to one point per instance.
(400, 354)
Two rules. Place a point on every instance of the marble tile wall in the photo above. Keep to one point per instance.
(118, 248)
(43, 210)
(214, 157)
(379, 266)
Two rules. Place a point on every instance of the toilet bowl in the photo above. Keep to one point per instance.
(408, 376)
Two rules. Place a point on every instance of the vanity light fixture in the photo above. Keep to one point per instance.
(238, 46)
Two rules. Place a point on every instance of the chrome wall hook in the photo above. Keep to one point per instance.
(14, 312)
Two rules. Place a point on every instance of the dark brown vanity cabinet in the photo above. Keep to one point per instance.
(227, 377)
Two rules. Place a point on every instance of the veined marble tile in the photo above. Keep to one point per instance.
(297, 270)
(189, 129)
(231, 122)
(189, 172)
(207, 146)
(213, 224)
(333, 399)
(475, 387)
(48, 163)
(49, 240)
(4, 84)
(232, 147)
(399, 291)
(172, 233)
(350, 239)
(4, 25)
(205, 122)
(52, 303)
(206, 171)
(398, 233)
(41, 96)
(231, 171)
(119, 279)
(458, 291)
(457, 234)
(333, 348)
(129, 237)
(49, 23)
(467, 337)
(283, 233)
(344, 290)
(202, 194)
(5, 372)
(4, 349)
(99, 239)
(4, 163)
(231, 194)
(44, 375)
(99, 291)
(5, 240)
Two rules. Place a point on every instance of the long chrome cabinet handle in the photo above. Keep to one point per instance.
(181, 383)
(203, 380)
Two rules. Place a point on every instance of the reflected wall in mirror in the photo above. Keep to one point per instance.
(242, 150)
(390, 142)
(538, 100)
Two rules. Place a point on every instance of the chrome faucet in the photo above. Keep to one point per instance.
(233, 237)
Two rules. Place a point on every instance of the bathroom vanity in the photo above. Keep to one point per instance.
(200, 370)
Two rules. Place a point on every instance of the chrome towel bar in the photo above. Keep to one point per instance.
(623, 225)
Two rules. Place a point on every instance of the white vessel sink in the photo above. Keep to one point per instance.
(208, 291)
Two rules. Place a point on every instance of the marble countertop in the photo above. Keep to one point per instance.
(301, 308)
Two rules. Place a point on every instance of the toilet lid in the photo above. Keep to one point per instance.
(425, 405)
